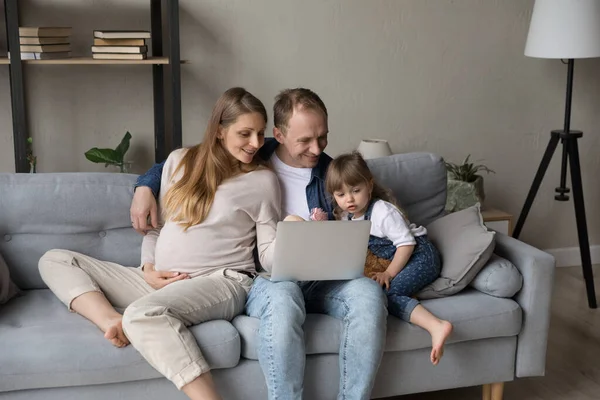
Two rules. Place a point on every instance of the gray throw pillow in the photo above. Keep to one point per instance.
(465, 245)
(8, 289)
(499, 278)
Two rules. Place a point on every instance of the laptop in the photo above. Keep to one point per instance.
(320, 250)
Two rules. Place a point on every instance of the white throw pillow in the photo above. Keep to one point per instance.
(499, 278)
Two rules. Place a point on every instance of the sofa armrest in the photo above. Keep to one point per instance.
(537, 268)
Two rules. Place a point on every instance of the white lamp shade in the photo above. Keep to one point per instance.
(374, 148)
(564, 29)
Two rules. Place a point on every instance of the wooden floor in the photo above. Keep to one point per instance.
(573, 359)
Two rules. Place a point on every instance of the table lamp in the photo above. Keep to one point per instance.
(374, 148)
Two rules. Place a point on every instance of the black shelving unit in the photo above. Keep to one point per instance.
(164, 17)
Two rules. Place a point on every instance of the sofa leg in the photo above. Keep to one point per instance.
(493, 391)
(487, 392)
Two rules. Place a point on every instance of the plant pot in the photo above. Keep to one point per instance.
(126, 167)
(461, 195)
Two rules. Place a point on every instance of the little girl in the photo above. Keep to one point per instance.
(401, 257)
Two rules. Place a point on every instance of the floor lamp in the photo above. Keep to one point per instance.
(566, 30)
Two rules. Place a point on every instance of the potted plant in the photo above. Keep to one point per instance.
(114, 157)
(465, 185)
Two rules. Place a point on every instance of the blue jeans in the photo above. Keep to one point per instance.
(282, 309)
(422, 268)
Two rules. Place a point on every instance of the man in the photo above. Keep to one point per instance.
(296, 155)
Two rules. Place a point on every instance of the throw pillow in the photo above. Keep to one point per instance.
(499, 278)
(8, 289)
(465, 245)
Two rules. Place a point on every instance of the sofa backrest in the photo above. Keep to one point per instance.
(417, 180)
(89, 212)
(84, 212)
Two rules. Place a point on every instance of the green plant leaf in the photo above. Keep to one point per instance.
(123, 146)
(467, 171)
(107, 156)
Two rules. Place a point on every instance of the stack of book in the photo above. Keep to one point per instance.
(44, 42)
(120, 45)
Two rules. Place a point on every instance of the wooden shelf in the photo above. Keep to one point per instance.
(91, 61)
(166, 78)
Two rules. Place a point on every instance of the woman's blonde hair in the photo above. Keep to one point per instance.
(351, 169)
(208, 164)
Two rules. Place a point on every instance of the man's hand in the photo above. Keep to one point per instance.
(383, 278)
(143, 204)
(294, 218)
(160, 279)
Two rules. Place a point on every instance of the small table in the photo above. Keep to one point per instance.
(498, 220)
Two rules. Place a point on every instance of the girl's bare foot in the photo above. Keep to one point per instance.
(438, 339)
(114, 333)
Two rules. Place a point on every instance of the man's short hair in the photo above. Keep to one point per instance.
(290, 99)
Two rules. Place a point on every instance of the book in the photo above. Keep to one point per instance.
(45, 48)
(120, 49)
(122, 34)
(119, 42)
(44, 40)
(44, 31)
(44, 56)
(117, 56)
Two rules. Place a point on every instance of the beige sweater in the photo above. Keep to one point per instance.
(244, 213)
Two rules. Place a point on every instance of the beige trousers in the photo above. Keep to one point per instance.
(154, 321)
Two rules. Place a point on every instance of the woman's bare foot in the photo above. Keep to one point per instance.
(438, 339)
(96, 307)
(114, 333)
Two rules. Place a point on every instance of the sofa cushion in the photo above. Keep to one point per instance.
(475, 316)
(83, 212)
(498, 278)
(417, 180)
(8, 289)
(43, 345)
(89, 212)
(465, 245)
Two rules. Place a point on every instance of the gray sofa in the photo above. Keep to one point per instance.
(48, 353)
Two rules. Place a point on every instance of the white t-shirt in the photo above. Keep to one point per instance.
(293, 182)
(389, 223)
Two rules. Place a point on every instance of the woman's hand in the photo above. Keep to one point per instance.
(383, 278)
(160, 279)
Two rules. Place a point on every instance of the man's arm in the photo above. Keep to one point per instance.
(149, 242)
(151, 178)
(143, 204)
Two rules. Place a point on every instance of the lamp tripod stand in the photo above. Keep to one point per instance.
(570, 153)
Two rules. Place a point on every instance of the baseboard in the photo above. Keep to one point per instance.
(570, 256)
